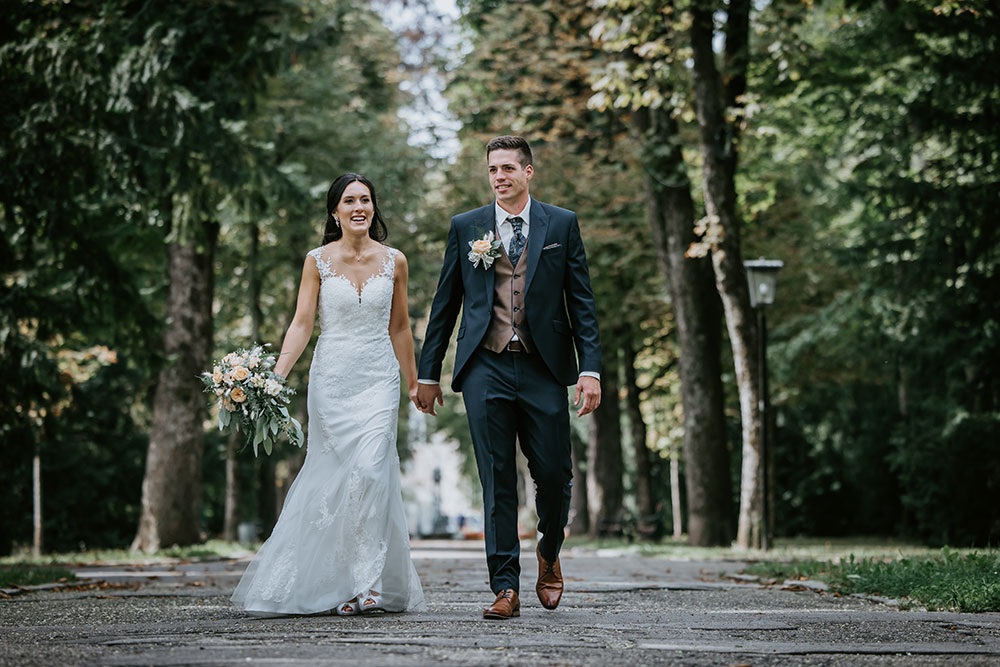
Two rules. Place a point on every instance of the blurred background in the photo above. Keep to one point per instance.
(163, 172)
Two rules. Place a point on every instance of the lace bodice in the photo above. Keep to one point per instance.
(349, 307)
(354, 351)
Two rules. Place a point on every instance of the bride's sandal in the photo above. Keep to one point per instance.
(372, 602)
(349, 608)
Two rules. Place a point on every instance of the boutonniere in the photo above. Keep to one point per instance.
(484, 250)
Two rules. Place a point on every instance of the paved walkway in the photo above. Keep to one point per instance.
(618, 610)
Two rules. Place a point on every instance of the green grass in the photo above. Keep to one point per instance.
(947, 580)
(209, 550)
(31, 575)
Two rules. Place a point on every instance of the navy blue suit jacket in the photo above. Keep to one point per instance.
(559, 304)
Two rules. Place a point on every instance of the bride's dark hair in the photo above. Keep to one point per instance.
(333, 231)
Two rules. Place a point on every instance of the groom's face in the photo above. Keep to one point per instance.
(508, 178)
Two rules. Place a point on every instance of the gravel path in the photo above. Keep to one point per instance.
(619, 609)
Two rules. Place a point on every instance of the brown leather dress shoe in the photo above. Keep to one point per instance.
(505, 606)
(550, 582)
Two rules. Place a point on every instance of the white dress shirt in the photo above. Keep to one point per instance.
(506, 230)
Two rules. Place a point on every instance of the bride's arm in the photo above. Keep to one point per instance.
(399, 328)
(300, 330)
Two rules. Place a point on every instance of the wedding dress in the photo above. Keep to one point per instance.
(342, 530)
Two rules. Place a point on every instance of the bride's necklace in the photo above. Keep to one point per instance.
(358, 256)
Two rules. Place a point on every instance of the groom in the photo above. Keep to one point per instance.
(525, 304)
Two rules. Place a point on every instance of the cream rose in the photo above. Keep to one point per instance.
(217, 375)
(484, 250)
(272, 387)
(240, 373)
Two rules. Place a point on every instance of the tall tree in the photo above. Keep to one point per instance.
(882, 136)
(641, 81)
(645, 494)
(717, 99)
(171, 488)
(218, 57)
(605, 492)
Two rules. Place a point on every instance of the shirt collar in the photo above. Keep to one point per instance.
(502, 215)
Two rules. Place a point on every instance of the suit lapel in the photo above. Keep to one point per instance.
(536, 239)
(488, 222)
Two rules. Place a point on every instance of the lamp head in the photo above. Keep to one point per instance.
(762, 276)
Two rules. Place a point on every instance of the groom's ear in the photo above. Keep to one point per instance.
(529, 171)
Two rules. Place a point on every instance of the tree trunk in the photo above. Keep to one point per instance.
(267, 499)
(675, 492)
(645, 501)
(171, 488)
(695, 303)
(36, 504)
(232, 511)
(579, 517)
(604, 455)
(718, 149)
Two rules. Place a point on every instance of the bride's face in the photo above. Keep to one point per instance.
(355, 209)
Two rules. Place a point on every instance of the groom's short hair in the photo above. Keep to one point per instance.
(511, 142)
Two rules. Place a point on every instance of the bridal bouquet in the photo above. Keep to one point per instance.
(254, 396)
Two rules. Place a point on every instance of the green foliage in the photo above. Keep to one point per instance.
(871, 167)
(92, 465)
(131, 123)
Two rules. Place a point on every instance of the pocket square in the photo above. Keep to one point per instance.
(551, 246)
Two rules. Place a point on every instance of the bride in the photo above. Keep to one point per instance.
(341, 542)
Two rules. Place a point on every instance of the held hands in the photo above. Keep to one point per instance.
(590, 390)
(588, 396)
(425, 395)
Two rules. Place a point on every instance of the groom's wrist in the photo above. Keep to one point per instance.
(590, 374)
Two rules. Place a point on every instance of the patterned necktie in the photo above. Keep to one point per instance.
(517, 243)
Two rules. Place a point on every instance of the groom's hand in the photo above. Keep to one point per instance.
(426, 395)
(589, 389)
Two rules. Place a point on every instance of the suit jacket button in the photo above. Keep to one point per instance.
(516, 309)
(516, 292)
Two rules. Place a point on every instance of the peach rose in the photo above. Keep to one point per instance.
(240, 373)
(238, 395)
(217, 375)
(481, 246)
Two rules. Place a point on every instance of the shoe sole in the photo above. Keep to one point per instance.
(500, 617)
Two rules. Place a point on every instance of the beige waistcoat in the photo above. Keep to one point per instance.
(508, 303)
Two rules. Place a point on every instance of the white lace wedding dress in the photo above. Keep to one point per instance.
(342, 530)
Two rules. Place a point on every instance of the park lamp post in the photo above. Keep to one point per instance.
(762, 276)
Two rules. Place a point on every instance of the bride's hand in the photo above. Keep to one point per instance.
(414, 399)
(426, 394)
